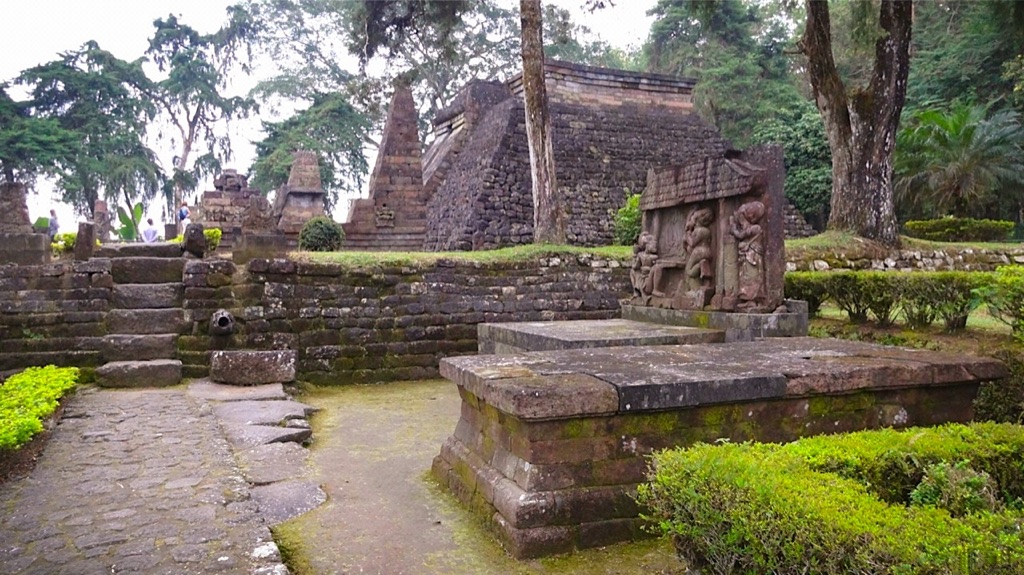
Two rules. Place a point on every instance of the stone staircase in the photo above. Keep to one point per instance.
(145, 318)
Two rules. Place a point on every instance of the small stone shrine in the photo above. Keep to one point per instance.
(18, 244)
(712, 234)
(229, 205)
(302, 198)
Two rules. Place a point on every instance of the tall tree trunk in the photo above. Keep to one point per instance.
(861, 127)
(548, 213)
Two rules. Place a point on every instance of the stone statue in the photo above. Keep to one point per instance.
(744, 226)
(645, 254)
(699, 271)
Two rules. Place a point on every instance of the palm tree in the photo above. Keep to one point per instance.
(950, 162)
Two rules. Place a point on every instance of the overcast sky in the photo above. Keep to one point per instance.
(36, 31)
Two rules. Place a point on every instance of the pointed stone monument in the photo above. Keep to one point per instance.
(18, 244)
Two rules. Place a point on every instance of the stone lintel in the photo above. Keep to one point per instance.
(552, 384)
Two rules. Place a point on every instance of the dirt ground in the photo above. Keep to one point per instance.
(372, 450)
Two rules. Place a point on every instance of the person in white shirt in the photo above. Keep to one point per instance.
(149, 234)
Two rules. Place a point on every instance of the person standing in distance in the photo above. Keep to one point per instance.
(54, 225)
(183, 217)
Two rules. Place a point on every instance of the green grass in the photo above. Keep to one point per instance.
(504, 255)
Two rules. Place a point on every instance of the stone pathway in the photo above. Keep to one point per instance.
(139, 481)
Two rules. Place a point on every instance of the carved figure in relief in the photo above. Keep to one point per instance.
(697, 244)
(645, 255)
(745, 227)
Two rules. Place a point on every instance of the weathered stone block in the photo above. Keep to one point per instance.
(147, 270)
(153, 373)
(253, 367)
(143, 296)
(85, 241)
(146, 321)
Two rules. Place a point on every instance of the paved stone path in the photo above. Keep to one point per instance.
(138, 481)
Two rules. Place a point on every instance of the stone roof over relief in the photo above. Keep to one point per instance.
(705, 179)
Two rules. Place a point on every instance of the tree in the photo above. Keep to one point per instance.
(808, 160)
(101, 102)
(29, 144)
(861, 121)
(192, 98)
(333, 128)
(951, 161)
(736, 50)
(549, 221)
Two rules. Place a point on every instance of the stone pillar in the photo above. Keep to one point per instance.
(14, 210)
(85, 243)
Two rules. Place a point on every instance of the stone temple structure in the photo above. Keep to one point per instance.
(302, 198)
(18, 244)
(471, 189)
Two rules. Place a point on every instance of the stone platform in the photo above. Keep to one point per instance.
(518, 337)
(551, 445)
(737, 326)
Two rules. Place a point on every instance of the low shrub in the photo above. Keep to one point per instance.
(29, 397)
(809, 287)
(813, 506)
(959, 230)
(321, 234)
(628, 221)
(1003, 401)
(921, 297)
(1004, 296)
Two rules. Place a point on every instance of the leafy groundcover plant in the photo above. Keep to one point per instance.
(28, 398)
(943, 500)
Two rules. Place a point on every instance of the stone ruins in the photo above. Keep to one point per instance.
(18, 243)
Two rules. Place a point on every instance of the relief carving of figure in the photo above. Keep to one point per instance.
(745, 228)
(697, 243)
(645, 254)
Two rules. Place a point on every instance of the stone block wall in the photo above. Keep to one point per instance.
(383, 324)
(54, 313)
(952, 259)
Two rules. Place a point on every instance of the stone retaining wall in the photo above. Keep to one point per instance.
(382, 324)
(966, 259)
(54, 313)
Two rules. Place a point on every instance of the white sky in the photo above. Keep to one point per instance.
(36, 31)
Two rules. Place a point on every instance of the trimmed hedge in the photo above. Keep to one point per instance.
(920, 297)
(959, 230)
(321, 234)
(842, 504)
(29, 397)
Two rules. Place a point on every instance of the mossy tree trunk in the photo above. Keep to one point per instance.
(861, 122)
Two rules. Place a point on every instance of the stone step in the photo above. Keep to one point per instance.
(146, 270)
(253, 367)
(140, 250)
(151, 373)
(147, 296)
(146, 321)
(126, 347)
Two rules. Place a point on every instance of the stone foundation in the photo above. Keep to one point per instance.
(519, 337)
(551, 445)
(737, 326)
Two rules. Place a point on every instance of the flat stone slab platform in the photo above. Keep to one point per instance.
(551, 445)
(518, 337)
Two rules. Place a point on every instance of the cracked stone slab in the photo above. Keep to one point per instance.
(212, 391)
(279, 502)
(271, 412)
(273, 462)
(242, 367)
(242, 436)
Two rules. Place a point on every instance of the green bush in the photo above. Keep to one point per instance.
(63, 243)
(956, 488)
(846, 290)
(27, 398)
(809, 287)
(1003, 401)
(321, 234)
(921, 297)
(628, 221)
(1004, 295)
(959, 230)
(813, 506)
